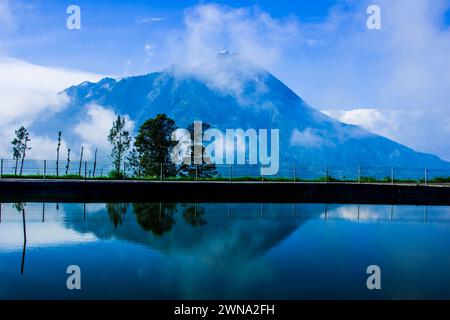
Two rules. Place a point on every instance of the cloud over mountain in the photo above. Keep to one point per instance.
(230, 92)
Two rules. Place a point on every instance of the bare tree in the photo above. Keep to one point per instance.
(57, 153)
(68, 161)
(81, 161)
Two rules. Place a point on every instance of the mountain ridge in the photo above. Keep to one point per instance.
(229, 92)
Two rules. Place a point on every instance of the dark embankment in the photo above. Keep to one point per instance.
(154, 191)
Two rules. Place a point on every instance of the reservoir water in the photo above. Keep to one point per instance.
(223, 251)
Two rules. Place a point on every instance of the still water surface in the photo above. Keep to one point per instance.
(224, 251)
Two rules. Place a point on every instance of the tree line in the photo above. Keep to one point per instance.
(147, 155)
(150, 154)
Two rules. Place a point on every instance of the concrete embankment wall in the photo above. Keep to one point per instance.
(170, 191)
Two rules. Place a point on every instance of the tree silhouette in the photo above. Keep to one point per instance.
(16, 153)
(154, 145)
(194, 215)
(81, 161)
(155, 217)
(19, 206)
(134, 164)
(68, 161)
(203, 170)
(57, 153)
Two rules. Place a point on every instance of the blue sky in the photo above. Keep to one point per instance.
(118, 30)
(393, 81)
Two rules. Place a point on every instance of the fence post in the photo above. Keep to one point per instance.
(45, 168)
(1, 169)
(392, 175)
(85, 170)
(161, 172)
(426, 176)
(295, 174)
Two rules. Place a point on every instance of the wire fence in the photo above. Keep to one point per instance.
(52, 169)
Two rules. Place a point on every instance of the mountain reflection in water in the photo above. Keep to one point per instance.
(222, 250)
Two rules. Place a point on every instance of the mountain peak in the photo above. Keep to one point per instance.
(229, 91)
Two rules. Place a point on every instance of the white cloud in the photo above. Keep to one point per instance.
(363, 213)
(383, 122)
(94, 128)
(230, 76)
(27, 91)
(44, 148)
(252, 33)
(151, 19)
(40, 235)
(400, 74)
(308, 138)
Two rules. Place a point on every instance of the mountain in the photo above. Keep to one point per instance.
(231, 92)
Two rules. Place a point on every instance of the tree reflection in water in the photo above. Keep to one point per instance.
(194, 215)
(155, 217)
(116, 212)
(19, 206)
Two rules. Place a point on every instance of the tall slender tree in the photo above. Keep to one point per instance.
(16, 153)
(20, 146)
(57, 153)
(95, 162)
(120, 140)
(68, 161)
(81, 161)
(24, 149)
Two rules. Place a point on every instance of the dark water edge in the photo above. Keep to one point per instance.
(222, 191)
(224, 251)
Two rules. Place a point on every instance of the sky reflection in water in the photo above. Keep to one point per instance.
(215, 251)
